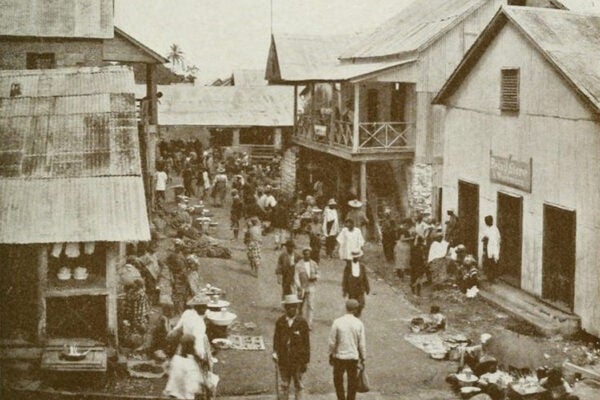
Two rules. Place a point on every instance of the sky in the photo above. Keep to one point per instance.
(219, 36)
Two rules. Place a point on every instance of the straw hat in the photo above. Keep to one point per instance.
(291, 299)
(306, 248)
(220, 170)
(355, 203)
(331, 202)
(355, 254)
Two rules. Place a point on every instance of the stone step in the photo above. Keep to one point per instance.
(548, 320)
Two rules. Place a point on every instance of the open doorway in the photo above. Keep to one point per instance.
(468, 212)
(558, 253)
(510, 224)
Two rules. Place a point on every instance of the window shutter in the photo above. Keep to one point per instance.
(509, 97)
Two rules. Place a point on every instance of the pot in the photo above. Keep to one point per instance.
(220, 318)
(469, 391)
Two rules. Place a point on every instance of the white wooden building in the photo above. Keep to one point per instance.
(522, 143)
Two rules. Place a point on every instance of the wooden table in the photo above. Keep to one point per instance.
(91, 369)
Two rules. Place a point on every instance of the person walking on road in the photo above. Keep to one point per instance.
(305, 279)
(389, 235)
(286, 268)
(291, 348)
(355, 284)
(331, 226)
(350, 240)
(253, 241)
(347, 350)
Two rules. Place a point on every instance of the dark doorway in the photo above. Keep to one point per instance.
(468, 212)
(398, 103)
(558, 252)
(372, 105)
(510, 224)
(18, 292)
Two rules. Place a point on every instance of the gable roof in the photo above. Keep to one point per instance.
(578, 5)
(134, 50)
(412, 29)
(225, 106)
(310, 58)
(58, 18)
(569, 41)
(70, 166)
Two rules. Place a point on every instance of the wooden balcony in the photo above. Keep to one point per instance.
(368, 141)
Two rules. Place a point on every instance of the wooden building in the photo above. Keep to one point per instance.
(371, 111)
(36, 34)
(522, 143)
(247, 115)
(71, 195)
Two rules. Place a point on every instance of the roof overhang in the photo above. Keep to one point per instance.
(142, 53)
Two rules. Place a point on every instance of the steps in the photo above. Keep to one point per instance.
(261, 154)
(548, 320)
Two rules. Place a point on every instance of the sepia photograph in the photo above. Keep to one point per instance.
(299, 199)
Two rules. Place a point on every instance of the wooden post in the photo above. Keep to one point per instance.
(277, 139)
(42, 284)
(151, 94)
(150, 132)
(235, 142)
(355, 127)
(112, 258)
(295, 109)
(363, 182)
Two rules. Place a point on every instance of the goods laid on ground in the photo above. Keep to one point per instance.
(243, 342)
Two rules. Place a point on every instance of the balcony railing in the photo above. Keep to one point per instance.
(372, 136)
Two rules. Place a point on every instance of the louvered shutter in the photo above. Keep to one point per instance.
(509, 96)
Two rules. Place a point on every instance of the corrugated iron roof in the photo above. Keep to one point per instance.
(249, 77)
(578, 5)
(303, 58)
(226, 106)
(57, 18)
(412, 29)
(73, 210)
(69, 161)
(570, 41)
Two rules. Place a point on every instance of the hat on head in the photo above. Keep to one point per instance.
(291, 299)
(178, 242)
(331, 202)
(470, 260)
(198, 300)
(460, 247)
(387, 210)
(306, 248)
(290, 243)
(450, 211)
(220, 170)
(268, 188)
(355, 203)
(352, 305)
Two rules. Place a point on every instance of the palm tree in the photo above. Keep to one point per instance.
(176, 56)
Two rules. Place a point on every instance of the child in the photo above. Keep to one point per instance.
(184, 373)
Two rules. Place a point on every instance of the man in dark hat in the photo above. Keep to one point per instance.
(291, 348)
(347, 349)
(286, 268)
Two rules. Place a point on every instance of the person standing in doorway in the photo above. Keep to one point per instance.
(347, 349)
(452, 229)
(305, 279)
(286, 264)
(331, 226)
(491, 249)
(355, 283)
(291, 348)
(389, 235)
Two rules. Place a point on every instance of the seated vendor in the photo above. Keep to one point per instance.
(468, 273)
(478, 358)
(557, 388)
(432, 322)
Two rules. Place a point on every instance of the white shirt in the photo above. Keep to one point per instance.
(161, 180)
(192, 323)
(347, 340)
(184, 378)
(307, 268)
(290, 321)
(350, 241)
(493, 244)
(355, 269)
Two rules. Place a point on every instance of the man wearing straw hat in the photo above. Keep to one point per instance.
(305, 279)
(358, 216)
(291, 349)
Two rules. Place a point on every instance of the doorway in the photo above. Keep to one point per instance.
(510, 224)
(558, 256)
(398, 103)
(468, 212)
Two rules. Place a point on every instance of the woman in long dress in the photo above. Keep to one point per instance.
(402, 249)
(253, 240)
(219, 187)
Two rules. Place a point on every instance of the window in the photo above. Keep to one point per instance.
(41, 61)
(509, 96)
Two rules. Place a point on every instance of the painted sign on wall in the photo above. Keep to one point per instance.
(509, 172)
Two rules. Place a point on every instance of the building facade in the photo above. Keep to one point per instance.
(522, 143)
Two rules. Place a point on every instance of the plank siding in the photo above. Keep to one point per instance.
(553, 127)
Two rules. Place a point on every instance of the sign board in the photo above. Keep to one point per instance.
(509, 172)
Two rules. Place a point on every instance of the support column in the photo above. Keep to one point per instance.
(42, 284)
(295, 109)
(363, 182)
(356, 121)
(112, 258)
(277, 139)
(151, 131)
(235, 141)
